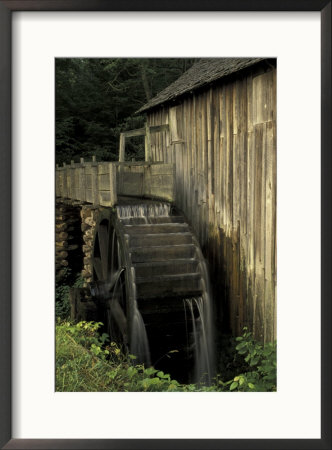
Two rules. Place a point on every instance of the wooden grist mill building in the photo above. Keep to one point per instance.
(221, 136)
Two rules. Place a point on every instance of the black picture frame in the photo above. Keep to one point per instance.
(6, 9)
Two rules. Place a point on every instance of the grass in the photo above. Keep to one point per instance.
(87, 362)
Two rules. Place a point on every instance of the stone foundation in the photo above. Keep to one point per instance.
(89, 218)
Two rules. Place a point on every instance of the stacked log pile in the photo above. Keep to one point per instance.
(67, 245)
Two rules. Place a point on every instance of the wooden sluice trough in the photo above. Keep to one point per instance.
(101, 183)
(145, 260)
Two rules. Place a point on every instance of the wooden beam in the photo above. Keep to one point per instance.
(122, 147)
(147, 143)
(113, 193)
(132, 133)
(159, 128)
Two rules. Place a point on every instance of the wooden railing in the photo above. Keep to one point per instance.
(100, 183)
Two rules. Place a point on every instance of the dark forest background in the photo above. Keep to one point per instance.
(96, 99)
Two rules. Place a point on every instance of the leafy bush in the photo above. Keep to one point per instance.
(261, 366)
(62, 288)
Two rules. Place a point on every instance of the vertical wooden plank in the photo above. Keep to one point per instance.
(204, 172)
(57, 183)
(274, 225)
(259, 231)
(222, 116)
(269, 235)
(113, 193)
(122, 145)
(236, 179)
(148, 156)
(250, 226)
(263, 96)
(250, 114)
(216, 151)
(82, 183)
(229, 134)
(95, 184)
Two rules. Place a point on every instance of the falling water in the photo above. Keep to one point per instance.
(144, 211)
(202, 327)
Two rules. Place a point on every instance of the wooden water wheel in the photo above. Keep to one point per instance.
(146, 266)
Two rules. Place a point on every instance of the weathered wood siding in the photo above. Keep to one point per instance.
(223, 143)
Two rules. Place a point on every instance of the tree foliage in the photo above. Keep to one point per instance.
(96, 99)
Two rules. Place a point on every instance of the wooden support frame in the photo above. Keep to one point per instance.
(146, 131)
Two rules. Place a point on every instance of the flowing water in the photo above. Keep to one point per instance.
(202, 325)
(144, 211)
(201, 338)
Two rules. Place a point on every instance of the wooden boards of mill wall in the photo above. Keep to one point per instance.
(222, 141)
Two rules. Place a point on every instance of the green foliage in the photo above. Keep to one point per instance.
(260, 374)
(88, 362)
(62, 288)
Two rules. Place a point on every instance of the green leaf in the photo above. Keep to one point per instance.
(233, 386)
(150, 371)
(251, 386)
(241, 345)
(254, 361)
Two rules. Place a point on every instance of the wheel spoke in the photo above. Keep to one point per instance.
(119, 255)
(98, 268)
(118, 316)
(113, 263)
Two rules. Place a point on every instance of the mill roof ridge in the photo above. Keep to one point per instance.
(203, 72)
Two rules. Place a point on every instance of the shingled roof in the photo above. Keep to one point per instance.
(202, 73)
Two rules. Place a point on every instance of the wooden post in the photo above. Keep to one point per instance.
(64, 183)
(72, 180)
(113, 195)
(95, 184)
(57, 183)
(94, 158)
(68, 181)
(147, 143)
(82, 183)
(122, 145)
